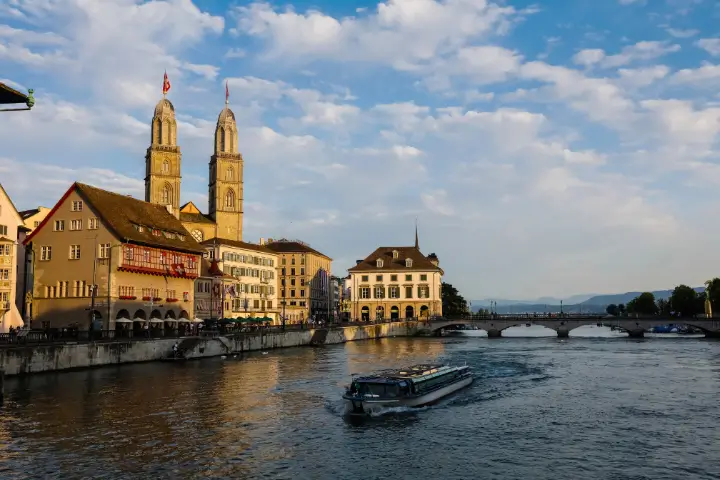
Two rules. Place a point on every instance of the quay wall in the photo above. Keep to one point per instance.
(21, 360)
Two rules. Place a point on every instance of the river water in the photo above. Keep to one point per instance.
(541, 408)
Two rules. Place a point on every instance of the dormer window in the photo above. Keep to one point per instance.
(396, 254)
(379, 263)
(408, 262)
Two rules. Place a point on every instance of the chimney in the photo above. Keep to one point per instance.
(358, 262)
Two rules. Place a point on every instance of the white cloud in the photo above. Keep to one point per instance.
(646, 50)
(710, 45)
(706, 74)
(680, 33)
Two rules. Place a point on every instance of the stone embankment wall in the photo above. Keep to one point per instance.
(35, 359)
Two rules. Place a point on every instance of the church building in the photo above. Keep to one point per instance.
(224, 217)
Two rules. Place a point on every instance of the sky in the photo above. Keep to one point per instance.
(549, 148)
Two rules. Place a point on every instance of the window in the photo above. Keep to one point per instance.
(408, 278)
(166, 167)
(5, 250)
(408, 292)
(283, 262)
(394, 292)
(166, 196)
(423, 278)
(378, 278)
(230, 199)
(127, 291)
(92, 223)
(36, 224)
(379, 292)
(229, 174)
(74, 252)
(408, 262)
(4, 274)
(59, 226)
(379, 263)
(3, 230)
(76, 206)
(292, 261)
(45, 253)
(75, 225)
(396, 254)
(423, 291)
(197, 235)
(302, 292)
(393, 278)
(302, 282)
(292, 282)
(365, 292)
(104, 250)
(292, 271)
(302, 270)
(292, 293)
(365, 278)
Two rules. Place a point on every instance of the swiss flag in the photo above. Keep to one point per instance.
(166, 84)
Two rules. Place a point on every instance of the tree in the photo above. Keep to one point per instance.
(683, 301)
(663, 307)
(613, 310)
(713, 291)
(621, 309)
(452, 302)
(643, 304)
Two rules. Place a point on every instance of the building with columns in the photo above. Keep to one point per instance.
(396, 282)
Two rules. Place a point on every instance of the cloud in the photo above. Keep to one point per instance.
(646, 50)
(680, 33)
(710, 45)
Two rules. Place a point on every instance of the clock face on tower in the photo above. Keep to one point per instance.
(197, 235)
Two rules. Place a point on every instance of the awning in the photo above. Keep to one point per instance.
(156, 320)
(9, 95)
(123, 320)
(182, 320)
(138, 319)
(198, 320)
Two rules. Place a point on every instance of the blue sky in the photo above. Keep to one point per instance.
(548, 148)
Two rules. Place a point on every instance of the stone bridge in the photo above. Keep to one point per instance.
(635, 327)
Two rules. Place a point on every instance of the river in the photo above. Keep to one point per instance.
(541, 408)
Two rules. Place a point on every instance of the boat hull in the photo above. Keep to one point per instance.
(355, 405)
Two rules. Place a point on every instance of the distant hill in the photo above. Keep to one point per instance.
(574, 304)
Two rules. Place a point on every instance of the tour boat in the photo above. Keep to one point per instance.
(414, 386)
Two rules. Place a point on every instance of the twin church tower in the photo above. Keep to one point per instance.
(162, 174)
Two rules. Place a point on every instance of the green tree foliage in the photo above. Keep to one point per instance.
(613, 310)
(683, 301)
(663, 307)
(453, 303)
(713, 291)
(643, 304)
(622, 309)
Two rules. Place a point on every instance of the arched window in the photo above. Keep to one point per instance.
(230, 200)
(165, 167)
(165, 132)
(171, 129)
(197, 235)
(232, 141)
(167, 195)
(221, 132)
(230, 174)
(158, 132)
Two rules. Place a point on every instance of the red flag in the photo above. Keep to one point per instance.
(227, 92)
(166, 84)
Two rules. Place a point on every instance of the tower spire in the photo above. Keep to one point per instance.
(227, 93)
(417, 242)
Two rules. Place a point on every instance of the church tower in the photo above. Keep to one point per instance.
(225, 197)
(162, 160)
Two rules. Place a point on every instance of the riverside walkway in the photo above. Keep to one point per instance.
(635, 327)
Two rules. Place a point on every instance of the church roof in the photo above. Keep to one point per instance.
(195, 218)
(123, 215)
(164, 106)
(419, 261)
(225, 113)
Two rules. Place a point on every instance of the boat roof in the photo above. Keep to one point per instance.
(407, 373)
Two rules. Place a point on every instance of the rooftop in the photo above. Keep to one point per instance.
(390, 262)
(237, 243)
(292, 246)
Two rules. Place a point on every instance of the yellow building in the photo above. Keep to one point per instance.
(249, 280)
(396, 282)
(138, 256)
(11, 225)
(34, 217)
(225, 193)
(302, 280)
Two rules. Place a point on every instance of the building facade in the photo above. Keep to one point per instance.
(100, 256)
(394, 283)
(224, 218)
(11, 228)
(249, 278)
(209, 291)
(303, 280)
(34, 217)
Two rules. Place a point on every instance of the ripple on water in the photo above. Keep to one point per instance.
(540, 409)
